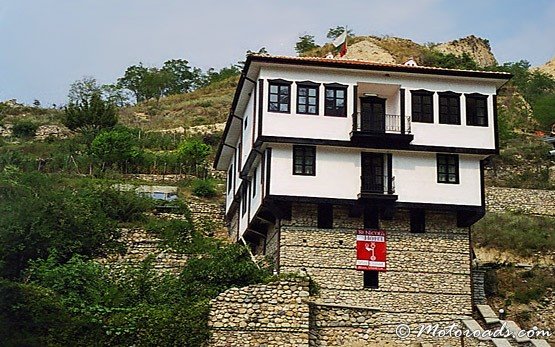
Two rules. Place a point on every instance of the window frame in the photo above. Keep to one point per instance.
(244, 197)
(472, 114)
(308, 85)
(297, 149)
(445, 158)
(449, 118)
(279, 83)
(422, 118)
(335, 87)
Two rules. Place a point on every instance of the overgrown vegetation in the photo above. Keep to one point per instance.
(55, 294)
(515, 233)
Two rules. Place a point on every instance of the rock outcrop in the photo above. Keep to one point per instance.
(549, 67)
(478, 49)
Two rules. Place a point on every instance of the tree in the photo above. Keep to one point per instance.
(305, 44)
(334, 33)
(212, 76)
(90, 113)
(182, 78)
(83, 89)
(133, 79)
(116, 147)
(194, 152)
(115, 95)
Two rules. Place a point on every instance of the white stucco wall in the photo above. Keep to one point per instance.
(336, 128)
(338, 173)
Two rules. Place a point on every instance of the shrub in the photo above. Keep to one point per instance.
(204, 188)
(24, 129)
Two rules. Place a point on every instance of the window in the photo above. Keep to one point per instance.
(449, 108)
(245, 122)
(417, 221)
(304, 160)
(307, 97)
(477, 110)
(279, 96)
(230, 178)
(422, 106)
(336, 100)
(371, 279)
(325, 216)
(448, 168)
(254, 182)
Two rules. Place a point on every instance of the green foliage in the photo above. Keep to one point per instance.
(213, 76)
(334, 33)
(194, 153)
(544, 110)
(305, 44)
(90, 113)
(511, 232)
(434, 58)
(524, 286)
(174, 77)
(205, 188)
(123, 206)
(24, 129)
(29, 315)
(116, 147)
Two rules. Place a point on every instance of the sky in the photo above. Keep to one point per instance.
(45, 45)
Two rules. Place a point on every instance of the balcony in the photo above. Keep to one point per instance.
(380, 187)
(381, 129)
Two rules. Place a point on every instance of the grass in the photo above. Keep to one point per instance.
(10, 114)
(204, 106)
(515, 233)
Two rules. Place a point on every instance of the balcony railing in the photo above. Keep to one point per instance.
(377, 185)
(380, 124)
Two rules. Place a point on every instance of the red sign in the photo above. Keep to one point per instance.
(371, 250)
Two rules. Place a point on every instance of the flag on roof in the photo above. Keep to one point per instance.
(340, 43)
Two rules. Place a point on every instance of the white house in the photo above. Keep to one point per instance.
(356, 132)
(367, 177)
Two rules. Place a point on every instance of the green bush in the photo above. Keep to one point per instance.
(204, 188)
(24, 129)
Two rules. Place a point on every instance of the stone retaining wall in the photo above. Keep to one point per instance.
(274, 314)
(527, 201)
(139, 245)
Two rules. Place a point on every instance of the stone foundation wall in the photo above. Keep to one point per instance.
(428, 278)
(528, 201)
(274, 314)
(207, 215)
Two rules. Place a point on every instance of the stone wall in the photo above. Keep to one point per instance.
(139, 245)
(528, 201)
(428, 278)
(274, 314)
(207, 216)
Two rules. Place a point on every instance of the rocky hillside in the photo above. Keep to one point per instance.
(548, 67)
(389, 49)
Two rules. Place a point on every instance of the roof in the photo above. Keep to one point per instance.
(373, 66)
(347, 64)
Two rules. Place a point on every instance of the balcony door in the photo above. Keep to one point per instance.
(372, 175)
(372, 114)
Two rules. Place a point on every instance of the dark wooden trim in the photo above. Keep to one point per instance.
(341, 143)
(355, 99)
(269, 170)
(495, 125)
(262, 176)
(457, 167)
(336, 85)
(482, 183)
(254, 115)
(260, 105)
(244, 75)
(280, 81)
(293, 152)
(402, 107)
(389, 173)
(308, 83)
(230, 146)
